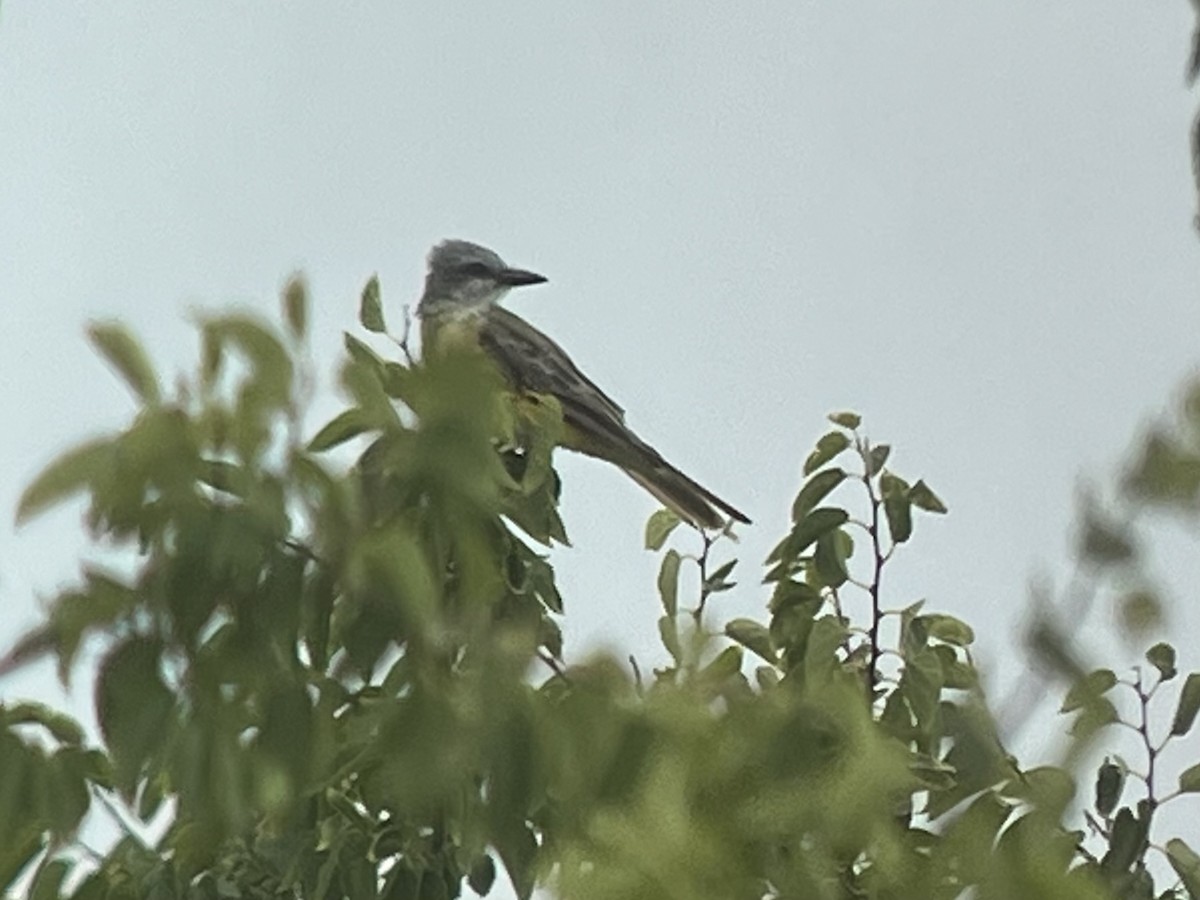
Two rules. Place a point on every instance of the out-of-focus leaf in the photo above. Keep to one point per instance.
(518, 851)
(47, 885)
(295, 306)
(668, 582)
(1102, 540)
(1090, 689)
(361, 353)
(65, 729)
(659, 527)
(726, 664)
(1126, 841)
(829, 446)
(1166, 473)
(1186, 863)
(370, 309)
(482, 875)
(133, 705)
(1189, 705)
(1141, 611)
(126, 355)
(815, 490)
(346, 425)
(753, 636)
(668, 633)
(1162, 657)
(71, 472)
(947, 628)
(271, 364)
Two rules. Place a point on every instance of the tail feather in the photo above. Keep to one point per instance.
(689, 500)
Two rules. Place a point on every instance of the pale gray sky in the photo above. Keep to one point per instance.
(969, 222)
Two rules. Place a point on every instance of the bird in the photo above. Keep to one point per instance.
(464, 285)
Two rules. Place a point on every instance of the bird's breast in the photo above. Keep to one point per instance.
(451, 333)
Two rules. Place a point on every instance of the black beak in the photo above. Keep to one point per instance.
(519, 277)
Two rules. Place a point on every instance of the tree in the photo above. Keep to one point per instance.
(349, 679)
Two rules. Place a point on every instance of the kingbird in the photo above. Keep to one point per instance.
(460, 304)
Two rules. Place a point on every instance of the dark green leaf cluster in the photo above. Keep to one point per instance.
(335, 675)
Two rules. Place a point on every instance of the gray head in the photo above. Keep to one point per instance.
(464, 276)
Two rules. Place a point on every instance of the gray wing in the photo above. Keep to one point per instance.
(533, 362)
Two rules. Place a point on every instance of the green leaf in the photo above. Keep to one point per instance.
(923, 497)
(897, 507)
(877, 458)
(1141, 611)
(1162, 657)
(726, 664)
(815, 490)
(947, 628)
(134, 707)
(343, 427)
(833, 549)
(1110, 780)
(271, 364)
(295, 306)
(1189, 780)
(1127, 841)
(846, 419)
(226, 476)
(1104, 541)
(1186, 863)
(898, 511)
(668, 582)
(47, 884)
(1089, 689)
(71, 472)
(1166, 473)
(482, 875)
(718, 580)
(815, 524)
(126, 355)
(1189, 705)
(370, 310)
(829, 446)
(659, 527)
(753, 636)
(361, 353)
(668, 633)
(64, 729)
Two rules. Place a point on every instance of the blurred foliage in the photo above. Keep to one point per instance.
(347, 680)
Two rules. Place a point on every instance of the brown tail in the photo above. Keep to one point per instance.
(692, 502)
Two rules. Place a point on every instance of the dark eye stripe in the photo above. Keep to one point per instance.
(476, 270)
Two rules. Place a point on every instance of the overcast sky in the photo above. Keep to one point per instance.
(968, 221)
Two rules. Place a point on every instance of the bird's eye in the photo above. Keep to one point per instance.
(476, 270)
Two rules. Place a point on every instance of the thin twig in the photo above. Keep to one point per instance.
(402, 341)
(702, 563)
(1144, 730)
(119, 817)
(877, 565)
(554, 665)
(637, 674)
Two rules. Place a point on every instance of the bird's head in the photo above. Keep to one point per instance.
(464, 277)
